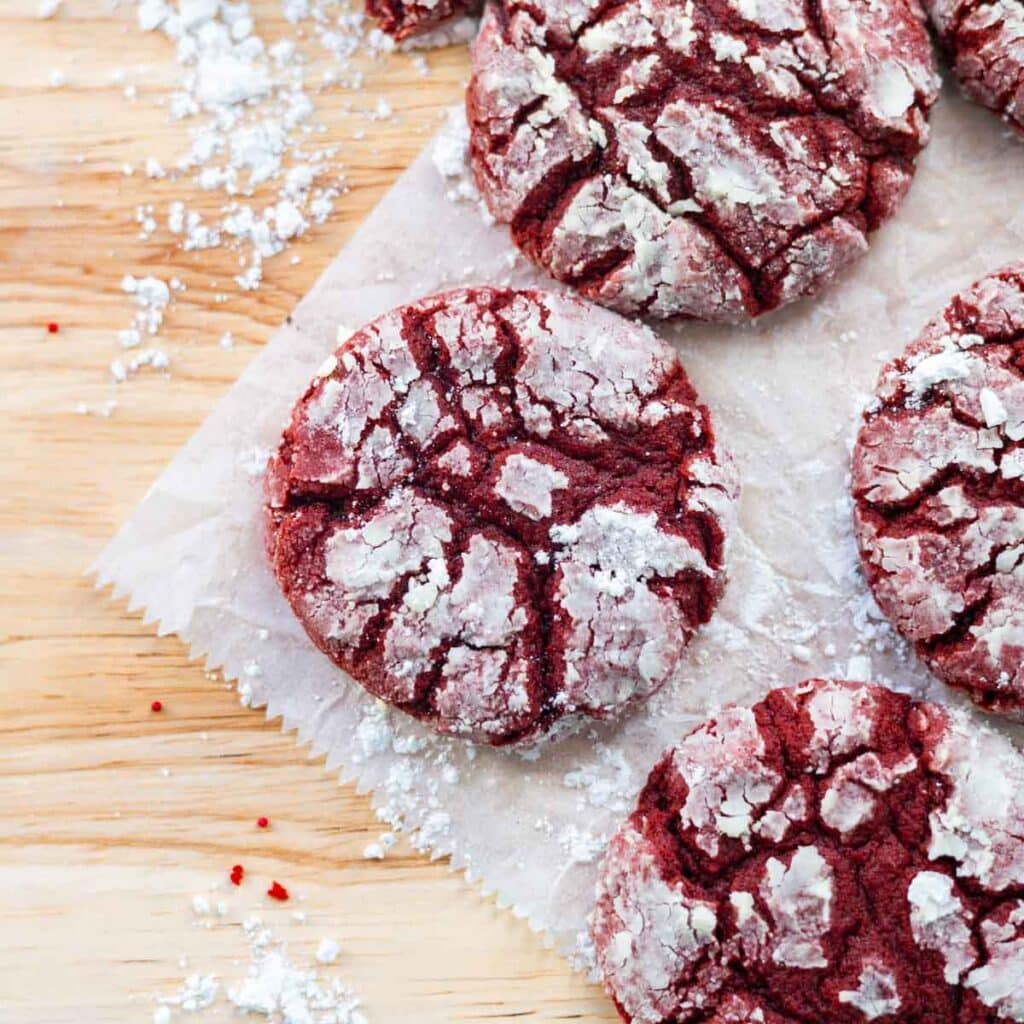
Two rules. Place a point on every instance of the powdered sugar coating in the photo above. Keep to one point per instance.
(705, 161)
(876, 994)
(937, 488)
(939, 922)
(662, 931)
(912, 913)
(722, 800)
(984, 40)
(497, 508)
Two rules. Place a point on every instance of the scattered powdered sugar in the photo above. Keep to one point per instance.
(255, 140)
(151, 297)
(450, 153)
(270, 984)
(197, 992)
(274, 987)
(379, 849)
(582, 846)
(608, 781)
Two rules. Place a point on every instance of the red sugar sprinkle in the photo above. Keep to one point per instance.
(236, 874)
(53, 328)
(277, 891)
(263, 822)
(156, 706)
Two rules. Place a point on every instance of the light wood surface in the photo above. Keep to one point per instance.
(112, 817)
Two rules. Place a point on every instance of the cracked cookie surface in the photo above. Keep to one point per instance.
(708, 161)
(984, 40)
(497, 508)
(838, 852)
(938, 488)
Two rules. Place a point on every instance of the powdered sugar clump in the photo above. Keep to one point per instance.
(450, 153)
(270, 986)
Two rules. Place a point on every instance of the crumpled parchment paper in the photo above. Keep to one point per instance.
(786, 393)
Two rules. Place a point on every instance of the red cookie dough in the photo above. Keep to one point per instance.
(838, 853)
(985, 45)
(494, 508)
(938, 487)
(404, 18)
(710, 160)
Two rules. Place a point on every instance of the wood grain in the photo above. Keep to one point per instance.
(113, 816)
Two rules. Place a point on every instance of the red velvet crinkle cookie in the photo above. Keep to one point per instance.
(404, 18)
(710, 160)
(938, 487)
(836, 854)
(495, 508)
(985, 45)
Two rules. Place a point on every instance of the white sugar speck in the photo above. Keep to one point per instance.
(328, 950)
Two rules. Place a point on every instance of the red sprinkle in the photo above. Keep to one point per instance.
(156, 706)
(277, 891)
(236, 874)
(263, 822)
(53, 328)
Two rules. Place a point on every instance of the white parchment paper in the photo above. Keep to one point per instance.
(786, 394)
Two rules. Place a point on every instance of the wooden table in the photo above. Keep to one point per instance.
(112, 816)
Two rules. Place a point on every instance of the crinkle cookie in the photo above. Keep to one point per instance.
(939, 496)
(497, 508)
(698, 160)
(837, 853)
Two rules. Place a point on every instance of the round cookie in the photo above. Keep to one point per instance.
(836, 853)
(404, 18)
(495, 508)
(938, 488)
(984, 41)
(708, 161)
